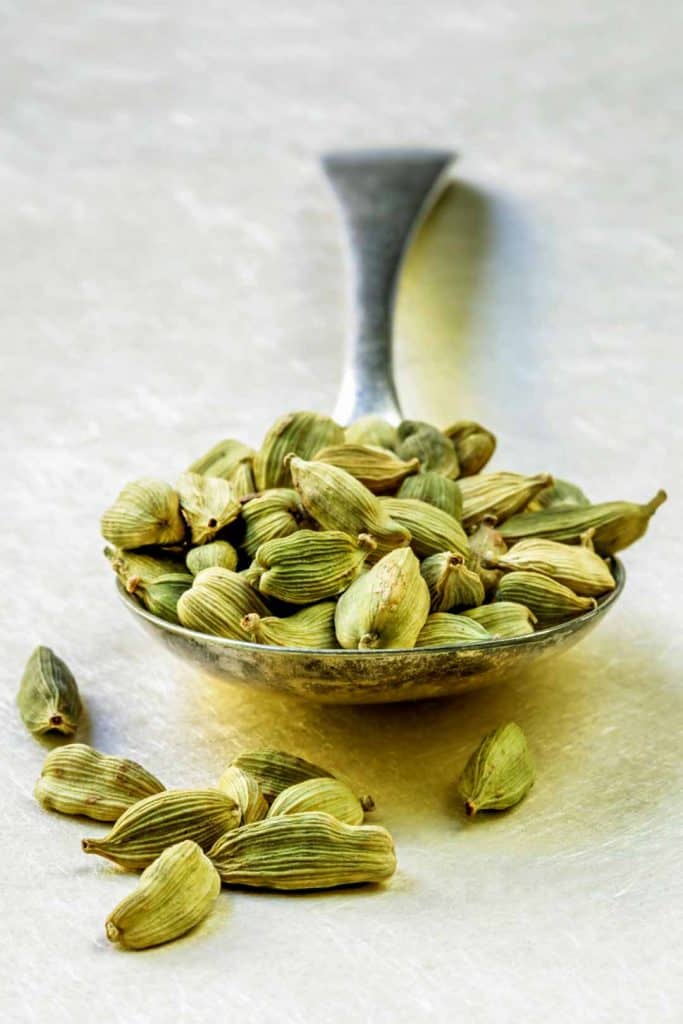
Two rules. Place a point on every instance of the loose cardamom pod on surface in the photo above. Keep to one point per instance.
(276, 770)
(246, 791)
(499, 773)
(48, 698)
(329, 795)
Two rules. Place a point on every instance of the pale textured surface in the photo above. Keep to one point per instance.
(171, 274)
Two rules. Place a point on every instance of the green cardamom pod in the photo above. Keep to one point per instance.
(79, 780)
(311, 850)
(276, 770)
(174, 894)
(442, 629)
(562, 494)
(161, 595)
(549, 600)
(372, 430)
(487, 543)
(246, 791)
(275, 513)
(222, 459)
(145, 512)
(499, 773)
(242, 479)
(332, 796)
(311, 627)
(574, 565)
(435, 490)
(151, 825)
(503, 619)
(386, 607)
(451, 584)
(216, 554)
(48, 698)
(422, 441)
(498, 494)
(208, 504)
(308, 566)
(303, 433)
(378, 468)
(617, 524)
(431, 529)
(147, 568)
(474, 445)
(217, 602)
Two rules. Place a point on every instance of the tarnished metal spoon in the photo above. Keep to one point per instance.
(383, 196)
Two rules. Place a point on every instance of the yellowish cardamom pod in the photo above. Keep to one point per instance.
(174, 894)
(503, 619)
(145, 512)
(48, 698)
(329, 795)
(276, 770)
(562, 494)
(160, 596)
(147, 568)
(486, 542)
(574, 565)
(474, 445)
(442, 629)
(303, 433)
(217, 554)
(208, 504)
(435, 490)
(309, 566)
(422, 441)
(549, 600)
(387, 607)
(310, 627)
(311, 850)
(217, 602)
(372, 430)
(451, 584)
(275, 513)
(431, 529)
(222, 459)
(378, 468)
(242, 479)
(498, 494)
(499, 773)
(246, 792)
(79, 780)
(151, 825)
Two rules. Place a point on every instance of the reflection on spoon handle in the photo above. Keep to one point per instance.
(381, 194)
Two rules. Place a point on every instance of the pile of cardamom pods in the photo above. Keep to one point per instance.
(368, 537)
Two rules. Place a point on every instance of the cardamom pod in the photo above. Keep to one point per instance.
(308, 566)
(562, 494)
(174, 894)
(79, 780)
(435, 490)
(310, 627)
(474, 445)
(246, 792)
(145, 512)
(378, 468)
(145, 567)
(617, 524)
(422, 441)
(337, 501)
(499, 773)
(276, 770)
(48, 698)
(372, 430)
(275, 513)
(311, 850)
(574, 565)
(161, 595)
(208, 503)
(217, 602)
(503, 619)
(431, 529)
(487, 543)
(242, 480)
(216, 554)
(549, 600)
(442, 629)
(386, 607)
(151, 825)
(451, 584)
(329, 795)
(222, 459)
(498, 494)
(303, 433)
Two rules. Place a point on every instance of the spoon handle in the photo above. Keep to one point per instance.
(381, 194)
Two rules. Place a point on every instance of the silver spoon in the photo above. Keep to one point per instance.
(383, 196)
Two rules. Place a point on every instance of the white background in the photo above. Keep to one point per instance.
(172, 273)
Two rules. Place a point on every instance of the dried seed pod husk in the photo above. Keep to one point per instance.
(562, 494)
(617, 524)
(498, 494)
(222, 459)
(278, 512)
(329, 795)
(311, 850)
(242, 479)
(146, 567)
(474, 445)
(504, 619)
(378, 468)
(276, 770)
(217, 554)
(499, 773)
(451, 583)
(217, 602)
(486, 542)
(308, 566)
(175, 893)
(372, 430)
(161, 595)
(151, 825)
(76, 779)
(246, 792)
(145, 512)
(434, 489)
(310, 627)
(48, 698)
(574, 565)
(442, 628)
(337, 501)
(208, 503)
(549, 600)
(431, 529)
(386, 607)
(422, 441)
(303, 433)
